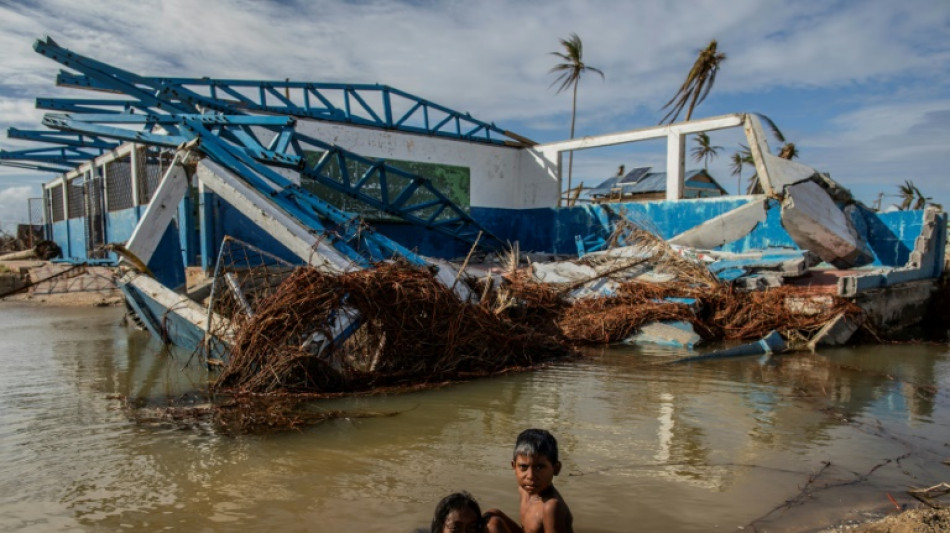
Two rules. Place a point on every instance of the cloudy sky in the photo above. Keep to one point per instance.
(861, 87)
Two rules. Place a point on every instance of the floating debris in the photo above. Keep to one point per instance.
(240, 414)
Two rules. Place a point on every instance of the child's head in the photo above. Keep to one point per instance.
(457, 513)
(536, 443)
(535, 460)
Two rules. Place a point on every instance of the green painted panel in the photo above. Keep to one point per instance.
(452, 181)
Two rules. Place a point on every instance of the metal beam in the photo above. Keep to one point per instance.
(299, 239)
(655, 132)
(63, 138)
(371, 105)
(675, 154)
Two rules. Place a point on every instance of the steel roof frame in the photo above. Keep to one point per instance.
(373, 105)
(416, 199)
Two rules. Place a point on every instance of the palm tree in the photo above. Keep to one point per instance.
(737, 163)
(704, 151)
(569, 74)
(744, 155)
(698, 83)
(788, 151)
(907, 193)
(911, 195)
(777, 133)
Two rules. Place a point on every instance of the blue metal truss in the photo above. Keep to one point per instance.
(63, 138)
(38, 167)
(343, 230)
(371, 105)
(380, 185)
(57, 159)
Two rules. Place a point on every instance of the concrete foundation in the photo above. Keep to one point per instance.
(893, 309)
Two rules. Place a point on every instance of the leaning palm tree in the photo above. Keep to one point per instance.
(704, 150)
(777, 133)
(698, 83)
(569, 74)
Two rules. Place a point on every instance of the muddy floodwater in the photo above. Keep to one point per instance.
(789, 444)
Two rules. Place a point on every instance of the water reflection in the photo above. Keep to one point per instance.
(669, 447)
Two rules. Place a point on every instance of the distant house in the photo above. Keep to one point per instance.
(640, 184)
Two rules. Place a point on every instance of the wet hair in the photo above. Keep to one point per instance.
(535, 443)
(453, 502)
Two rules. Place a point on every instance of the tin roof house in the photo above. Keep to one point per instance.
(641, 184)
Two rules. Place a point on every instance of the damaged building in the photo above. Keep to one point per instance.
(245, 181)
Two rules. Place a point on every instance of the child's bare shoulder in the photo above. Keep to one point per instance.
(557, 512)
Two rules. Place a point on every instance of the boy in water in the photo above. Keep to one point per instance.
(535, 463)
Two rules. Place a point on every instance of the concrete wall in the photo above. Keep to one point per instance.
(890, 235)
(501, 176)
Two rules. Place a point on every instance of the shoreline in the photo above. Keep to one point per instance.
(25, 274)
(921, 519)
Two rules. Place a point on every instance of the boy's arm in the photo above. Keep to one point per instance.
(498, 522)
(556, 518)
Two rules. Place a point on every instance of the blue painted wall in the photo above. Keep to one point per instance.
(890, 235)
(554, 230)
(221, 219)
(60, 235)
(120, 224)
(167, 263)
(77, 240)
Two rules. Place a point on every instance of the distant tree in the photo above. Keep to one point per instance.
(704, 150)
(788, 151)
(737, 163)
(907, 193)
(698, 83)
(569, 74)
(746, 155)
(912, 198)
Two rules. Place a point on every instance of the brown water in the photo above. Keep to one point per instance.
(715, 445)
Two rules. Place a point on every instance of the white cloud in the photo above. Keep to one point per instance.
(492, 58)
(874, 149)
(14, 206)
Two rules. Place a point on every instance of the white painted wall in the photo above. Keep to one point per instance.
(500, 176)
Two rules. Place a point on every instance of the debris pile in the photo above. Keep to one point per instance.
(719, 312)
(414, 329)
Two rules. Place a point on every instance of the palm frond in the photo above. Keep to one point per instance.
(777, 133)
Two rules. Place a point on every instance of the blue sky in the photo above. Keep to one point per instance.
(861, 87)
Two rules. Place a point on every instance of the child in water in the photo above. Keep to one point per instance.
(535, 462)
(457, 513)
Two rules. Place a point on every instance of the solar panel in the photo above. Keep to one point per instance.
(635, 175)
